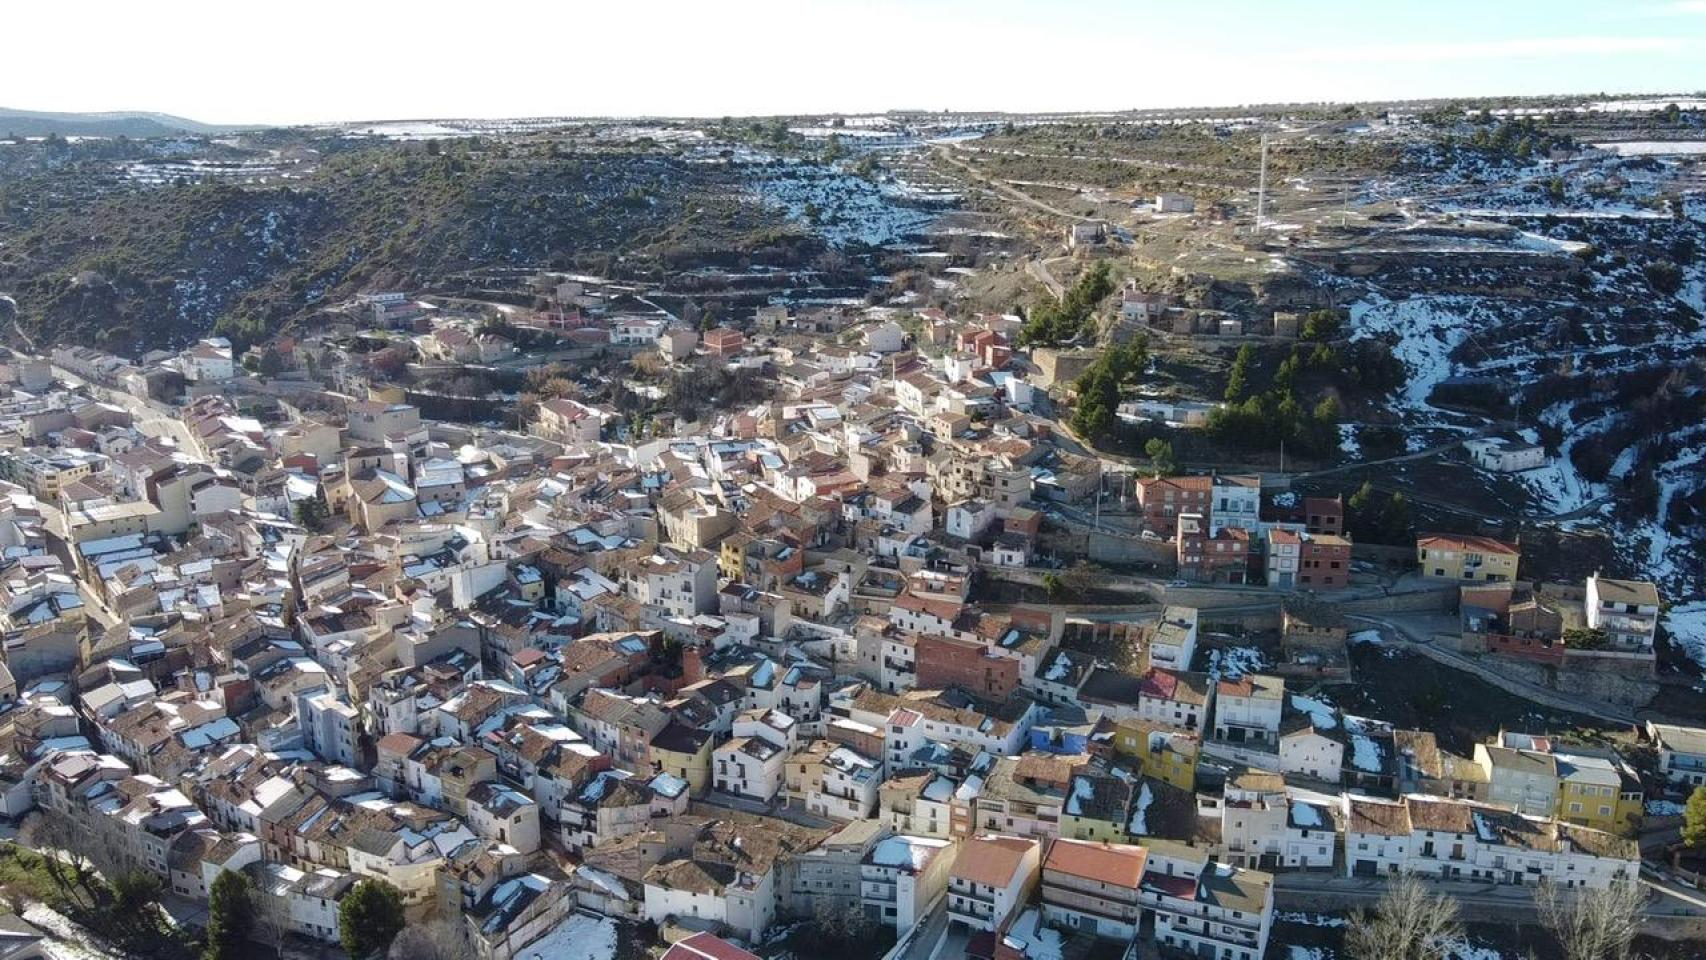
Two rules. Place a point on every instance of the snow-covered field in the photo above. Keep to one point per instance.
(1425, 331)
(1501, 329)
(1654, 148)
(844, 209)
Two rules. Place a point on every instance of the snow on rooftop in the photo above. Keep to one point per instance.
(904, 851)
(1082, 791)
(1139, 825)
(1320, 712)
(1307, 816)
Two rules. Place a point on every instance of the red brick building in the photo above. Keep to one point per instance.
(724, 341)
(1324, 562)
(969, 665)
(1163, 499)
(1221, 557)
(1324, 515)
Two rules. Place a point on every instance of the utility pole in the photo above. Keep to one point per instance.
(1262, 187)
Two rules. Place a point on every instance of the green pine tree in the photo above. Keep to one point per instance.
(1238, 382)
(1160, 454)
(230, 916)
(369, 918)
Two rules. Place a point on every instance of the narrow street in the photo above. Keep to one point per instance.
(152, 418)
(1039, 269)
(931, 936)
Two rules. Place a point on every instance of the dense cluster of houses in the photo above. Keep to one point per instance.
(721, 679)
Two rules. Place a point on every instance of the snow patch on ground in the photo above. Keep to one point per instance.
(1464, 949)
(68, 940)
(1557, 488)
(1654, 148)
(1349, 445)
(1233, 662)
(1686, 623)
(1428, 329)
(580, 937)
(1309, 919)
(844, 209)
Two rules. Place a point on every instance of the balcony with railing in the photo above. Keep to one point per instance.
(1125, 911)
(875, 892)
(961, 888)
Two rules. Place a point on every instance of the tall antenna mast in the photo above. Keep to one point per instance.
(1262, 186)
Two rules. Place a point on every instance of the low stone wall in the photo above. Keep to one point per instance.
(1242, 754)
(1572, 697)
(1142, 590)
(1344, 901)
(1399, 557)
(1428, 599)
(1615, 683)
(1205, 598)
(1113, 548)
(1227, 619)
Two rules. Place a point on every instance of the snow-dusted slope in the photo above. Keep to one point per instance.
(1574, 321)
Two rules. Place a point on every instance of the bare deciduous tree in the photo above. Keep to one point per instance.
(272, 918)
(63, 842)
(840, 921)
(1592, 924)
(1409, 922)
(438, 940)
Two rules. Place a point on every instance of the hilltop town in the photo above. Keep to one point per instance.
(1148, 571)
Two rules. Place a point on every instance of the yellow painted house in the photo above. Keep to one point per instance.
(1445, 556)
(1595, 792)
(684, 752)
(1160, 753)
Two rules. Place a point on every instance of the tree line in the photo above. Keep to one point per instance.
(1060, 321)
(1099, 387)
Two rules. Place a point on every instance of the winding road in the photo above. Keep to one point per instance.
(1008, 191)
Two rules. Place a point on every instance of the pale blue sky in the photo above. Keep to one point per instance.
(313, 60)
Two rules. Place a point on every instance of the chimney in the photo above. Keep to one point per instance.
(692, 665)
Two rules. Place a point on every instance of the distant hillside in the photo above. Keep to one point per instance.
(133, 124)
(131, 268)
